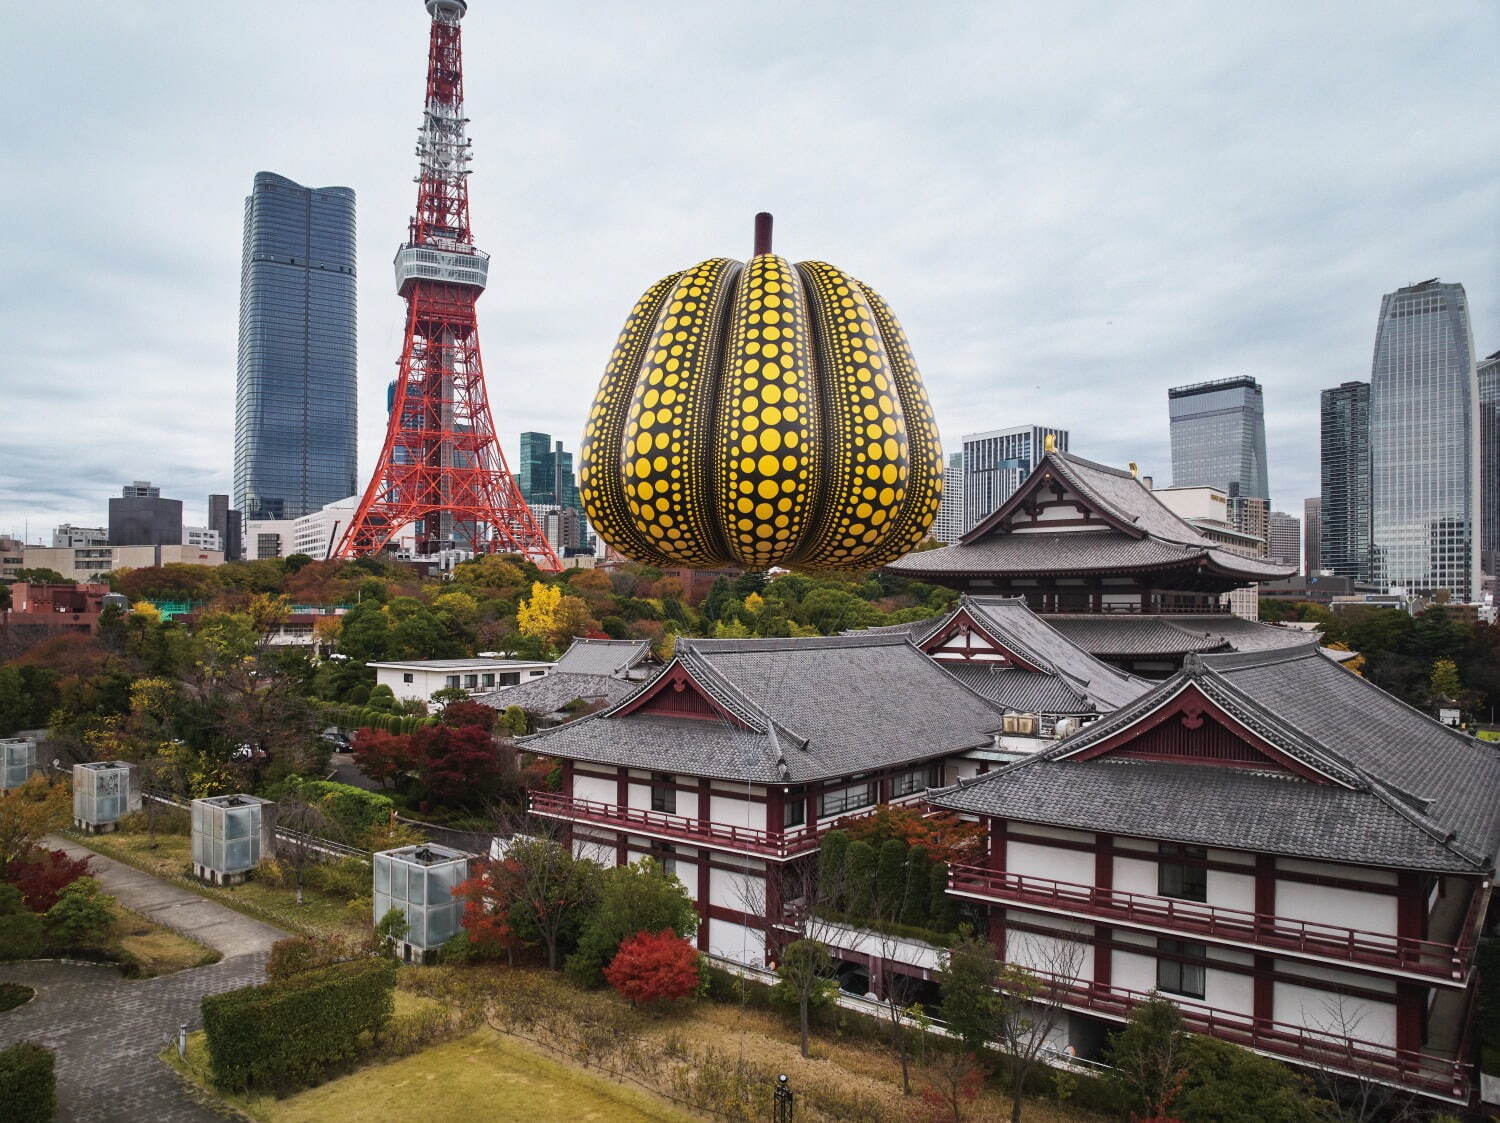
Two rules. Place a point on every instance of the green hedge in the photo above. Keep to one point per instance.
(289, 1033)
(363, 717)
(354, 809)
(28, 1086)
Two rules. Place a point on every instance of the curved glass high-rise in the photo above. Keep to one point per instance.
(1424, 443)
(296, 382)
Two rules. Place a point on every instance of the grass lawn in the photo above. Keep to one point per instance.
(153, 948)
(320, 914)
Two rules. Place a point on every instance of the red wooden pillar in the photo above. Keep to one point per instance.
(567, 778)
(997, 845)
(1411, 907)
(1411, 1015)
(1264, 997)
(1265, 890)
(1104, 957)
(1104, 864)
(622, 801)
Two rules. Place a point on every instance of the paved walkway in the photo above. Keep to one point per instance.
(107, 1029)
(226, 931)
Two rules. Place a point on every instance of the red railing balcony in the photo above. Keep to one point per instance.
(659, 824)
(1439, 962)
(1327, 1050)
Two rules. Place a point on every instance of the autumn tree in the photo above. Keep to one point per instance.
(653, 968)
(488, 899)
(635, 898)
(30, 811)
(383, 757)
(1148, 1058)
(455, 764)
(536, 616)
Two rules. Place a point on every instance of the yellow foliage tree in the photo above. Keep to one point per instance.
(30, 811)
(754, 602)
(537, 615)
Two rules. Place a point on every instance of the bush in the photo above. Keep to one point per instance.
(41, 875)
(299, 954)
(654, 967)
(28, 1086)
(347, 878)
(81, 915)
(357, 811)
(1227, 1084)
(640, 897)
(20, 928)
(290, 1032)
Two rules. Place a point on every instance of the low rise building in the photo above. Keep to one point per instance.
(591, 674)
(68, 537)
(422, 678)
(87, 563)
(202, 537)
(38, 610)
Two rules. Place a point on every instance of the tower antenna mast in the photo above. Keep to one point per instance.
(442, 470)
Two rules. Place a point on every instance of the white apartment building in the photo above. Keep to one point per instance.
(422, 678)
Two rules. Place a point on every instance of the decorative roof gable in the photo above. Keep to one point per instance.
(678, 693)
(1051, 498)
(965, 636)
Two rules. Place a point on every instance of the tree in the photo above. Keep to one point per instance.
(465, 712)
(456, 765)
(28, 812)
(1149, 1058)
(487, 898)
(306, 824)
(951, 1081)
(1227, 1084)
(1031, 1008)
(968, 978)
(383, 757)
(1444, 683)
(81, 915)
(634, 898)
(805, 981)
(40, 575)
(42, 875)
(552, 893)
(536, 616)
(654, 968)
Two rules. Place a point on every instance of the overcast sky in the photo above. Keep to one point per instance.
(1070, 207)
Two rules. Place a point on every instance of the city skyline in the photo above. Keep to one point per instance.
(1124, 269)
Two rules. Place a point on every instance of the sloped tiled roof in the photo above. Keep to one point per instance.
(1155, 539)
(603, 656)
(1146, 634)
(550, 693)
(1403, 790)
(817, 707)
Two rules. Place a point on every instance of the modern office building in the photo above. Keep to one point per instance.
(1285, 541)
(1424, 443)
(1488, 373)
(294, 420)
(202, 538)
(545, 472)
(996, 462)
(1219, 436)
(1312, 531)
(1344, 542)
(949, 525)
(228, 523)
(139, 516)
(71, 537)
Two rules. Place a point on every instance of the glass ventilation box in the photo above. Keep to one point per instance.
(419, 882)
(102, 794)
(17, 762)
(227, 837)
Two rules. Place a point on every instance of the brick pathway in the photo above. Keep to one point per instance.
(107, 1030)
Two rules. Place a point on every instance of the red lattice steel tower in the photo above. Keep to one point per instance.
(441, 469)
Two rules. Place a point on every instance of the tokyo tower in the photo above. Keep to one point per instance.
(442, 470)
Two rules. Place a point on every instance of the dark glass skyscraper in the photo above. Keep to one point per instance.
(294, 413)
(1488, 373)
(1344, 540)
(545, 472)
(1219, 436)
(1424, 443)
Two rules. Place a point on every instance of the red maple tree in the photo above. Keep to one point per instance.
(456, 763)
(942, 835)
(654, 967)
(42, 875)
(382, 756)
(488, 896)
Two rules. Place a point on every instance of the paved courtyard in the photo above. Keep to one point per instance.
(107, 1029)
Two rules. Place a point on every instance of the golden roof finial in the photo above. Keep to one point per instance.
(1134, 471)
(1049, 443)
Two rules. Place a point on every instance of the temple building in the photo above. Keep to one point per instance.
(1298, 860)
(591, 674)
(1102, 560)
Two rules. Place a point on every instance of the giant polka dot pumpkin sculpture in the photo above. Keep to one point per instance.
(761, 414)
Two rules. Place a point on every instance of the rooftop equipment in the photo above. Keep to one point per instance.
(103, 793)
(227, 840)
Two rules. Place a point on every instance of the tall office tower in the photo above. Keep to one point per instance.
(1488, 374)
(948, 527)
(996, 462)
(1312, 536)
(1344, 540)
(139, 516)
(294, 408)
(1424, 443)
(545, 473)
(228, 523)
(1285, 543)
(441, 470)
(1219, 436)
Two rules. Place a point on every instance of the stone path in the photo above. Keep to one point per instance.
(226, 931)
(107, 1029)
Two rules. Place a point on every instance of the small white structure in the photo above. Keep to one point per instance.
(227, 837)
(102, 794)
(422, 678)
(17, 761)
(419, 881)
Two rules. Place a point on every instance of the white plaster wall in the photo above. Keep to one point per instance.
(592, 787)
(1043, 831)
(1134, 875)
(1231, 890)
(737, 812)
(1336, 1015)
(1229, 991)
(687, 873)
(1052, 954)
(737, 942)
(1350, 908)
(1036, 860)
(594, 851)
(744, 892)
(1332, 869)
(1132, 971)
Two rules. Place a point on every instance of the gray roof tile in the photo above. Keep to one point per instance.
(550, 693)
(603, 656)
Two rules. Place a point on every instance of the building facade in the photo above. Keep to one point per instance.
(295, 394)
(139, 516)
(949, 526)
(202, 538)
(1345, 466)
(545, 472)
(87, 563)
(1312, 532)
(1219, 436)
(1488, 376)
(229, 525)
(1285, 541)
(996, 462)
(1425, 443)
(1232, 522)
(69, 537)
(422, 678)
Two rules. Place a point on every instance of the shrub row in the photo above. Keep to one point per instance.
(357, 811)
(894, 883)
(28, 1086)
(288, 1033)
(362, 717)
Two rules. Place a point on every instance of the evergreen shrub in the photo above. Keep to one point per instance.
(28, 1085)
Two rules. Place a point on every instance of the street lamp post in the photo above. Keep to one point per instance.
(784, 1100)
